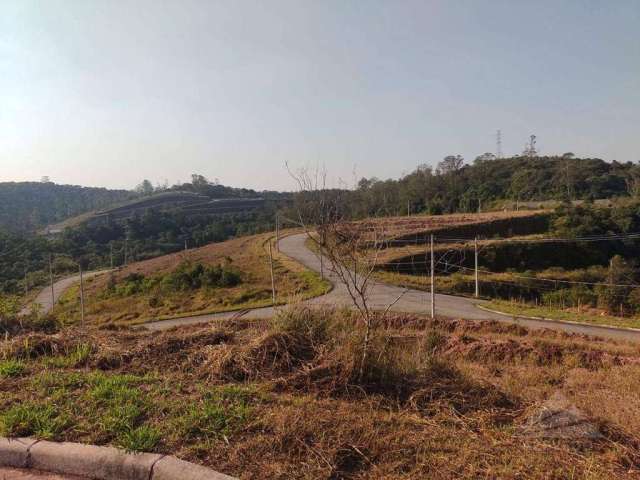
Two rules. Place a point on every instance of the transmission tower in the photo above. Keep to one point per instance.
(498, 144)
(530, 148)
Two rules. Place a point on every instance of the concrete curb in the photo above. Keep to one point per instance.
(100, 463)
(554, 320)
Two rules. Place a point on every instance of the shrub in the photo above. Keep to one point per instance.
(187, 276)
(571, 297)
(193, 276)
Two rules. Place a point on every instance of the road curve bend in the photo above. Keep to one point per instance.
(411, 301)
(380, 296)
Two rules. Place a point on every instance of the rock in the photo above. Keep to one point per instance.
(558, 419)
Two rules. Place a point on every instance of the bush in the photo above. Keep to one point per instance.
(194, 276)
(187, 276)
(571, 297)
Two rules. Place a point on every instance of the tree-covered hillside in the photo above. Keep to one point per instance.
(28, 206)
(453, 186)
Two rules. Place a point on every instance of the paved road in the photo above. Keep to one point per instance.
(7, 473)
(381, 295)
(44, 297)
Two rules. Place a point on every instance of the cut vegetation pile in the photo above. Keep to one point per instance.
(286, 399)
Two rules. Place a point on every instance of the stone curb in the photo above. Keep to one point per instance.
(100, 463)
(555, 320)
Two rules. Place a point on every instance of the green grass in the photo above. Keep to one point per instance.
(528, 310)
(32, 419)
(11, 368)
(141, 439)
(75, 358)
(220, 413)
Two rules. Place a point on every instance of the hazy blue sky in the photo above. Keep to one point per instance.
(111, 92)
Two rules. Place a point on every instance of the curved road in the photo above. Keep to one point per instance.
(43, 300)
(381, 295)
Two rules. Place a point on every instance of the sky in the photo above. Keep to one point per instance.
(107, 93)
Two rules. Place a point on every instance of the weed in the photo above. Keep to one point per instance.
(43, 421)
(120, 405)
(140, 439)
(220, 413)
(11, 368)
(433, 340)
(77, 357)
(47, 381)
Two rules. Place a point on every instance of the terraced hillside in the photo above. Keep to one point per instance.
(189, 203)
(399, 231)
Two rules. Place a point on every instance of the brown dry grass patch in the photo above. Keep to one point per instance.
(248, 255)
(440, 399)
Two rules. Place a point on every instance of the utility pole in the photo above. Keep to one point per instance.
(81, 295)
(475, 245)
(322, 255)
(185, 245)
(53, 295)
(277, 233)
(433, 283)
(273, 282)
(111, 254)
(408, 208)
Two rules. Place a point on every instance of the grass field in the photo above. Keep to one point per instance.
(438, 399)
(247, 255)
(581, 315)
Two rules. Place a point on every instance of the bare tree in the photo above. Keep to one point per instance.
(352, 248)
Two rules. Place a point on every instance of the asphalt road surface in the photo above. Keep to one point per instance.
(44, 301)
(8, 473)
(381, 295)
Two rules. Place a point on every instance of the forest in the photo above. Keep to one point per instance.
(29, 206)
(455, 187)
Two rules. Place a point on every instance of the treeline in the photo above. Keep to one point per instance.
(455, 187)
(28, 206)
(201, 185)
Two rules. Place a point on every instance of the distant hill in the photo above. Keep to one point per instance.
(174, 202)
(29, 206)
(488, 182)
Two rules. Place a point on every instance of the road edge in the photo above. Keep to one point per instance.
(554, 320)
(101, 463)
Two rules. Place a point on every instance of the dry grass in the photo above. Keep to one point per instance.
(282, 399)
(387, 228)
(248, 255)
